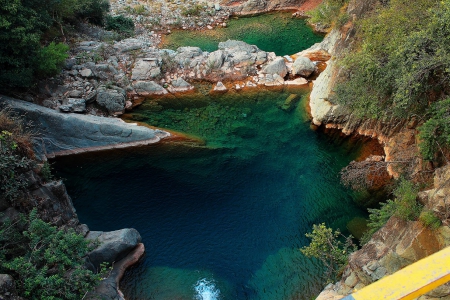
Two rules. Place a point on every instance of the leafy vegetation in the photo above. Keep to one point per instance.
(15, 155)
(404, 206)
(330, 247)
(329, 12)
(45, 262)
(120, 24)
(23, 24)
(429, 219)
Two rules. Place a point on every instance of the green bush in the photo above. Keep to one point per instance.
(120, 24)
(330, 247)
(51, 59)
(327, 12)
(45, 262)
(430, 220)
(401, 54)
(404, 206)
(94, 11)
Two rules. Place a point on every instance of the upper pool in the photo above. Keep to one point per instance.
(276, 32)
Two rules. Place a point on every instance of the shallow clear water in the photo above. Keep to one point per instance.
(275, 32)
(223, 220)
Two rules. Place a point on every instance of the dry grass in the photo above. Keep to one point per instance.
(21, 131)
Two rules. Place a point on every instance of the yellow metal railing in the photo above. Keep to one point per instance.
(411, 281)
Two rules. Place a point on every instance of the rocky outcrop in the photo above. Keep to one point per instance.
(63, 134)
(277, 66)
(303, 66)
(438, 198)
(113, 246)
(112, 99)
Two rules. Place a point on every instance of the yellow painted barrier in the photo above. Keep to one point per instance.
(411, 281)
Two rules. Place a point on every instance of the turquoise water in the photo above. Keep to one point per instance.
(276, 32)
(223, 219)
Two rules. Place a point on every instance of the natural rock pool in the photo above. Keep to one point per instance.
(275, 32)
(222, 220)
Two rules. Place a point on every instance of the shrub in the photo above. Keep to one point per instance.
(192, 10)
(327, 12)
(330, 247)
(45, 262)
(15, 155)
(120, 24)
(51, 59)
(404, 206)
(430, 220)
(93, 11)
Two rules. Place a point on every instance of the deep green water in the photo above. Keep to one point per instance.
(276, 32)
(223, 220)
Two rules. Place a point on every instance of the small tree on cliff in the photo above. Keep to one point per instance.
(330, 247)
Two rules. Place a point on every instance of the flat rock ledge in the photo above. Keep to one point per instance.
(64, 134)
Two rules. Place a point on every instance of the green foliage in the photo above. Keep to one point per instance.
(435, 132)
(404, 206)
(46, 172)
(402, 54)
(120, 24)
(330, 247)
(51, 59)
(327, 13)
(22, 25)
(12, 167)
(46, 263)
(429, 219)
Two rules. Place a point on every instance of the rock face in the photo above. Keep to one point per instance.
(114, 245)
(257, 6)
(63, 134)
(145, 69)
(438, 198)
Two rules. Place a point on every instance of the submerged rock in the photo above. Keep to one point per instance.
(290, 102)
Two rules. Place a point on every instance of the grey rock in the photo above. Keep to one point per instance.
(186, 54)
(69, 63)
(303, 66)
(62, 134)
(237, 46)
(75, 94)
(277, 66)
(217, 7)
(65, 108)
(145, 69)
(215, 59)
(91, 96)
(261, 57)
(148, 88)
(7, 288)
(220, 87)
(112, 100)
(180, 85)
(86, 73)
(114, 245)
(77, 105)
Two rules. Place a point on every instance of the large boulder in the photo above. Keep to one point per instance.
(303, 66)
(113, 245)
(63, 134)
(180, 85)
(236, 46)
(145, 68)
(215, 59)
(277, 66)
(186, 54)
(147, 88)
(113, 99)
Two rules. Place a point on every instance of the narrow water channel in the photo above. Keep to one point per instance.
(224, 218)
